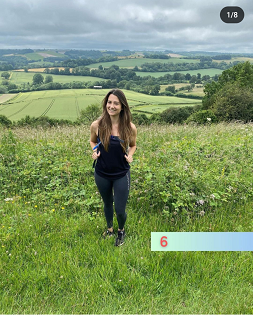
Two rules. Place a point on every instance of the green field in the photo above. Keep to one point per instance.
(211, 72)
(19, 77)
(67, 104)
(132, 62)
(183, 179)
(38, 55)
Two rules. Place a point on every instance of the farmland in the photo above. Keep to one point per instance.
(211, 72)
(19, 77)
(67, 104)
(132, 62)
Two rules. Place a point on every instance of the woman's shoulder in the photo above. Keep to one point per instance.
(134, 129)
(94, 126)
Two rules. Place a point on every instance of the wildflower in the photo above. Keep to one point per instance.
(209, 119)
(62, 208)
(212, 196)
(8, 199)
(202, 213)
(35, 206)
(200, 202)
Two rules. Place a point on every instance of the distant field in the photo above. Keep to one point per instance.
(66, 104)
(42, 54)
(131, 63)
(19, 77)
(241, 59)
(210, 72)
(198, 91)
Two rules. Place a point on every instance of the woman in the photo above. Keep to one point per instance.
(113, 140)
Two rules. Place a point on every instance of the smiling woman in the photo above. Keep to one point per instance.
(113, 140)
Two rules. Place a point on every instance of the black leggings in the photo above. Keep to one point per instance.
(121, 191)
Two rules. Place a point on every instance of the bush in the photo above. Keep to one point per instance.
(202, 117)
(43, 121)
(89, 114)
(140, 119)
(176, 114)
(234, 102)
(4, 121)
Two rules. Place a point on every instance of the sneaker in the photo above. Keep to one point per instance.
(120, 238)
(107, 234)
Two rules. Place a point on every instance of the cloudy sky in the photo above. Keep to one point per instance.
(178, 25)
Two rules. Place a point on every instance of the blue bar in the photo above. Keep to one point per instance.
(201, 241)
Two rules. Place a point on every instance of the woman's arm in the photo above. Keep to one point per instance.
(93, 134)
(132, 145)
(93, 139)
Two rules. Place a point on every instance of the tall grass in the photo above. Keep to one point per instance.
(183, 178)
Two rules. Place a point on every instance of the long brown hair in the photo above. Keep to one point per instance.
(105, 124)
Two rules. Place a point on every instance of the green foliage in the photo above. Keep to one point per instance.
(38, 79)
(42, 121)
(90, 114)
(140, 119)
(176, 114)
(240, 74)
(5, 75)
(4, 121)
(48, 79)
(234, 102)
(202, 117)
(171, 89)
(3, 89)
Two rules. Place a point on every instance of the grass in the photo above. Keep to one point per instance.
(203, 72)
(67, 104)
(53, 259)
(19, 77)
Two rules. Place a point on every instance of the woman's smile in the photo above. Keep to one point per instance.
(113, 105)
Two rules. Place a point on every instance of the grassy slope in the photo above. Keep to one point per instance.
(67, 103)
(24, 77)
(53, 259)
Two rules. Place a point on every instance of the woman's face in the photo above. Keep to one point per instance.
(113, 105)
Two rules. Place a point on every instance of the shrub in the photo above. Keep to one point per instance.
(140, 119)
(176, 114)
(4, 121)
(202, 117)
(89, 114)
(234, 102)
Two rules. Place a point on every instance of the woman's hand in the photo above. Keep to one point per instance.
(129, 158)
(95, 155)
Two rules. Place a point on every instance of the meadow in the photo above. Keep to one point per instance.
(19, 77)
(67, 104)
(211, 72)
(183, 178)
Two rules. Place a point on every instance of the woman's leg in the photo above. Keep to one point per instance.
(105, 189)
(121, 191)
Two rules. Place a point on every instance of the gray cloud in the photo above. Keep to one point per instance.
(135, 25)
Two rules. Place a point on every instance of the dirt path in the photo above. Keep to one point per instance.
(6, 97)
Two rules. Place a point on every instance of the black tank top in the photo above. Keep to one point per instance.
(112, 164)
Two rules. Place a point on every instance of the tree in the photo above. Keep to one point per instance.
(188, 76)
(48, 79)
(5, 75)
(241, 73)
(38, 79)
(171, 88)
(234, 102)
(89, 114)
